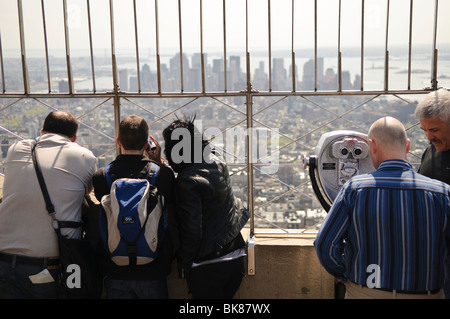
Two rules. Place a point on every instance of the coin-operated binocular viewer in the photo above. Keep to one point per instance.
(339, 155)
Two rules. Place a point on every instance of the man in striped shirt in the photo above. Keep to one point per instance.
(386, 234)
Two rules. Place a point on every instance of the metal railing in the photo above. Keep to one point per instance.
(184, 94)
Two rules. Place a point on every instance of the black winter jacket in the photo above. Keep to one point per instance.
(210, 217)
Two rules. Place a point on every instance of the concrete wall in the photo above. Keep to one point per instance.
(285, 268)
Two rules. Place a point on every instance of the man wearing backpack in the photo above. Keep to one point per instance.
(134, 279)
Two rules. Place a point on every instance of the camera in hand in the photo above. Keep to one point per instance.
(152, 145)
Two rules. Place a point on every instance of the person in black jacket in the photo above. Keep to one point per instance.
(148, 280)
(433, 112)
(212, 249)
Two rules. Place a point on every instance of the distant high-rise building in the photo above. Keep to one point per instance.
(345, 80)
(63, 86)
(193, 80)
(357, 82)
(279, 74)
(217, 66)
(133, 84)
(234, 78)
(123, 80)
(146, 78)
(218, 75)
(330, 80)
(309, 74)
(197, 60)
(175, 75)
(260, 78)
(235, 63)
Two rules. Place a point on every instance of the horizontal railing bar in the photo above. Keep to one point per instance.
(213, 94)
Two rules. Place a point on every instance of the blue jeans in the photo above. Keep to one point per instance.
(135, 289)
(16, 284)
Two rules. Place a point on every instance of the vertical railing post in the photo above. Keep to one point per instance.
(202, 54)
(2, 70)
(410, 42)
(67, 45)
(136, 39)
(315, 45)
(386, 53)
(180, 32)
(26, 82)
(91, 47)
(249, 137)
(434, 82)
(249, 113)
(362, 45)
(47, 64)
(224, 46)
(250, 184)
(158, 59)
(339, 66)
(292, 49)
(269, 26)
(116, 87)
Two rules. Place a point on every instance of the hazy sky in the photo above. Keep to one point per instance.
(281, 23)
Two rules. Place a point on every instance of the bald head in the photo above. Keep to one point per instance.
(387, 137)
(389, 131)
(61, 122)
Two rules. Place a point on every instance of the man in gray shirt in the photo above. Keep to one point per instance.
(28, 243)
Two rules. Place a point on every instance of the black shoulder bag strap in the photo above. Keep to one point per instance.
(48, 202)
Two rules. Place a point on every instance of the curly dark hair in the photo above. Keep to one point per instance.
(171, 140)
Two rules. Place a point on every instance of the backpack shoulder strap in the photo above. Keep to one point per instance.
(107, 175)
(152, 173)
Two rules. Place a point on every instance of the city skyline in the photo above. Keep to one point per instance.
(280, 80)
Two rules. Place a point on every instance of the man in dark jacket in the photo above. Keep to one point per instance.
(433, 112)
(212, 249)
(148, 280)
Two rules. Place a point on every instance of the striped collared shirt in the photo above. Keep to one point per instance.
(388, 229)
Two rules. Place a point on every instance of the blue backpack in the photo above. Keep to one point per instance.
(133, 218)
